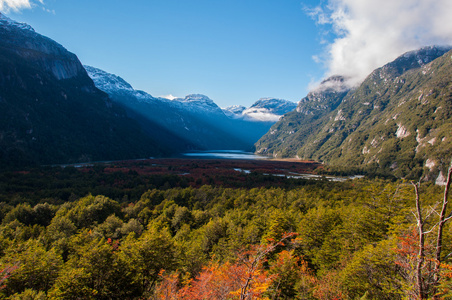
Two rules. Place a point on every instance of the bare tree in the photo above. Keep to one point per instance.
(424, 284)
(421, 293)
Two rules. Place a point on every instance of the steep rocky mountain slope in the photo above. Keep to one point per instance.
(397, 121)
(286, 136)
(50, 110)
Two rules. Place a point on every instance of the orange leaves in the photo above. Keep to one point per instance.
(218, 281)
(246, 278)
(230, 281)
(114, 244)
(169, 287)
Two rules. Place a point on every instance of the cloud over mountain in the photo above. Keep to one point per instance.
(376, 32)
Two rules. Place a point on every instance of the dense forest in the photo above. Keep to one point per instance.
(172, 238)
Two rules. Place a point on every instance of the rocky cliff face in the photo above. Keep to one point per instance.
(50, 110)
(39, 50)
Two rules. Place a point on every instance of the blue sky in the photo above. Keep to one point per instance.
(236, 51)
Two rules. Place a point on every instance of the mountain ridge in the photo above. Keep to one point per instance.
(374, 125)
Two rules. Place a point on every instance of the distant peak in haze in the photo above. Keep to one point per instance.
(273, 103)
(237, 109)
(335, 83)
(263, 110)
(197, 98)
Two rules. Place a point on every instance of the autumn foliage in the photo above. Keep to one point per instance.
(245, 278)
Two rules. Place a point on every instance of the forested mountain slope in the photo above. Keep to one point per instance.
(398, 120)
(50, 110)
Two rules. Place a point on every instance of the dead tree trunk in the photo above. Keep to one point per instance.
(442, 221)
(427, 287)
(421, 254)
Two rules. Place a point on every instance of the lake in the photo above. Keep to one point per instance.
(225, 154)
(238, 154)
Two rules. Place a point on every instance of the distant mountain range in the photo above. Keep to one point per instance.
(399, 120)
(195, 118)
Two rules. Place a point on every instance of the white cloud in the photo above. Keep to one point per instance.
(17, 5)
(369, 33)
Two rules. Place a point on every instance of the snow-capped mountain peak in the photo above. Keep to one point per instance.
(198, 98)
(274, 105)
(5, 21)
(106, 81)
(199, 103)
(264, 110)
(112, 84)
